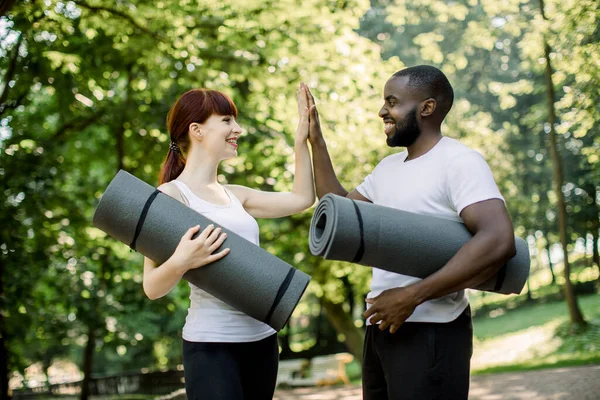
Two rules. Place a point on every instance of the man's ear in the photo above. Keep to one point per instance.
(195, 130)
(428, 107)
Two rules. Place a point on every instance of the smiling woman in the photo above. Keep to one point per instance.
(226, 353)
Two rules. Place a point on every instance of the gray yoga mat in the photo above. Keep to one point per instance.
(400, 241)
(249, 278)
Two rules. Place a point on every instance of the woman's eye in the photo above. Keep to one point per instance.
(227, 120)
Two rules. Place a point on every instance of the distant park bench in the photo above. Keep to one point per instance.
(291, 372)
(323, 370)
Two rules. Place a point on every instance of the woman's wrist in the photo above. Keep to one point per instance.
(176, 266)
(300, 142)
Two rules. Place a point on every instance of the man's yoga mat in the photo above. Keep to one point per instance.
(249, 278)
(401, 242)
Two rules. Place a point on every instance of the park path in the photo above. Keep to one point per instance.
(574, 383)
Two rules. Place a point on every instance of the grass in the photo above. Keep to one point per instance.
(510, 321)
(536, 337)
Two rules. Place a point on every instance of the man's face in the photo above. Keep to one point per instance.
(399, 113)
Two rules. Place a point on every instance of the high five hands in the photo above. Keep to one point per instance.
(315, 133)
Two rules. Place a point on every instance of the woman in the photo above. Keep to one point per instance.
(226, 354)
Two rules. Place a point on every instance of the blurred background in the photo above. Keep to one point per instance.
(85, 87)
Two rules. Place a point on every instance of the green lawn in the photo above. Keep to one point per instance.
(545, 326)
(532, 315)
(502, 332)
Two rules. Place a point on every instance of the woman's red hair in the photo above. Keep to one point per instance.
(196, 105)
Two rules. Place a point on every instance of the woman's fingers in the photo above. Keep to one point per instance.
(190, 232)
(212, 237)
(218, 242)
(205, 233)
(217, 256)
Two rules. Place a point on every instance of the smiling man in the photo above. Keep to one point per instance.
(418, 340)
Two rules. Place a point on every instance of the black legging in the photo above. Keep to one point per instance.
(231, 371)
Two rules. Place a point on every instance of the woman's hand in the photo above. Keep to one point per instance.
(302, 129)
(193, 253)
(302, 97)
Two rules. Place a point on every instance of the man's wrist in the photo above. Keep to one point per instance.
(317, 142)
(420, 292)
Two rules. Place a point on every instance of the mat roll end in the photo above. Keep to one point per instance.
(289, 301)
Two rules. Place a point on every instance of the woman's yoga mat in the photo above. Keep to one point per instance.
(400, 241)
(249, 278)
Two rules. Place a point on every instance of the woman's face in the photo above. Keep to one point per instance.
(219, 135)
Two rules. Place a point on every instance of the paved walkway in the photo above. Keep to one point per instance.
(575, 383)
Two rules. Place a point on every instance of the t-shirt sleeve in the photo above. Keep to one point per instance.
(470, 181)
(366, 188)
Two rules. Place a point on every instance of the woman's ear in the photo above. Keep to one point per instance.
(428, 107)
(196, 130)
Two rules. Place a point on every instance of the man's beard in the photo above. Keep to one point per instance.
(407, 133)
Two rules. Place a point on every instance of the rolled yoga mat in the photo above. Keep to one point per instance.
(249, 278)
(398, 241)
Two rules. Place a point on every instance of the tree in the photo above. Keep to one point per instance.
(574, 310)
(90, 85)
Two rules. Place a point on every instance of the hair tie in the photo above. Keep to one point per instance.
(174, 147)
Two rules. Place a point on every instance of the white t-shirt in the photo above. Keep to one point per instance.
(210, 319)
(440, 183)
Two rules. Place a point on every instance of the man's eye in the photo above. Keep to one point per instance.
(227, 120)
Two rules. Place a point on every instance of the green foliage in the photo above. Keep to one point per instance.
(86, 86)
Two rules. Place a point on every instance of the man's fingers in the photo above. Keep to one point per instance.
(376, 318)
(314, 117)
(394, 328)
(369, 312)
(383, 325)
(310, 98)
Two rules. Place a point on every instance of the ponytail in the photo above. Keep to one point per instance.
(172, 166)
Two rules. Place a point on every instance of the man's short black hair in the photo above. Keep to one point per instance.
(432, 83)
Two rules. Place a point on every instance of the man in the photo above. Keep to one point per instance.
(418, 340)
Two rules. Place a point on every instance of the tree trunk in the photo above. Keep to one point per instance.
(349, 293)
(343, 323)
(589, 261)
(550, 262)
(574, 311)
(596, 251)
(88, 356)
(284, 342)
(3, 347)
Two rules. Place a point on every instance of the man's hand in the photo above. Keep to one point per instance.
(392, 307)
(315, 134)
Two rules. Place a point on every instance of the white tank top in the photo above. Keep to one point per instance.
(210, 319)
